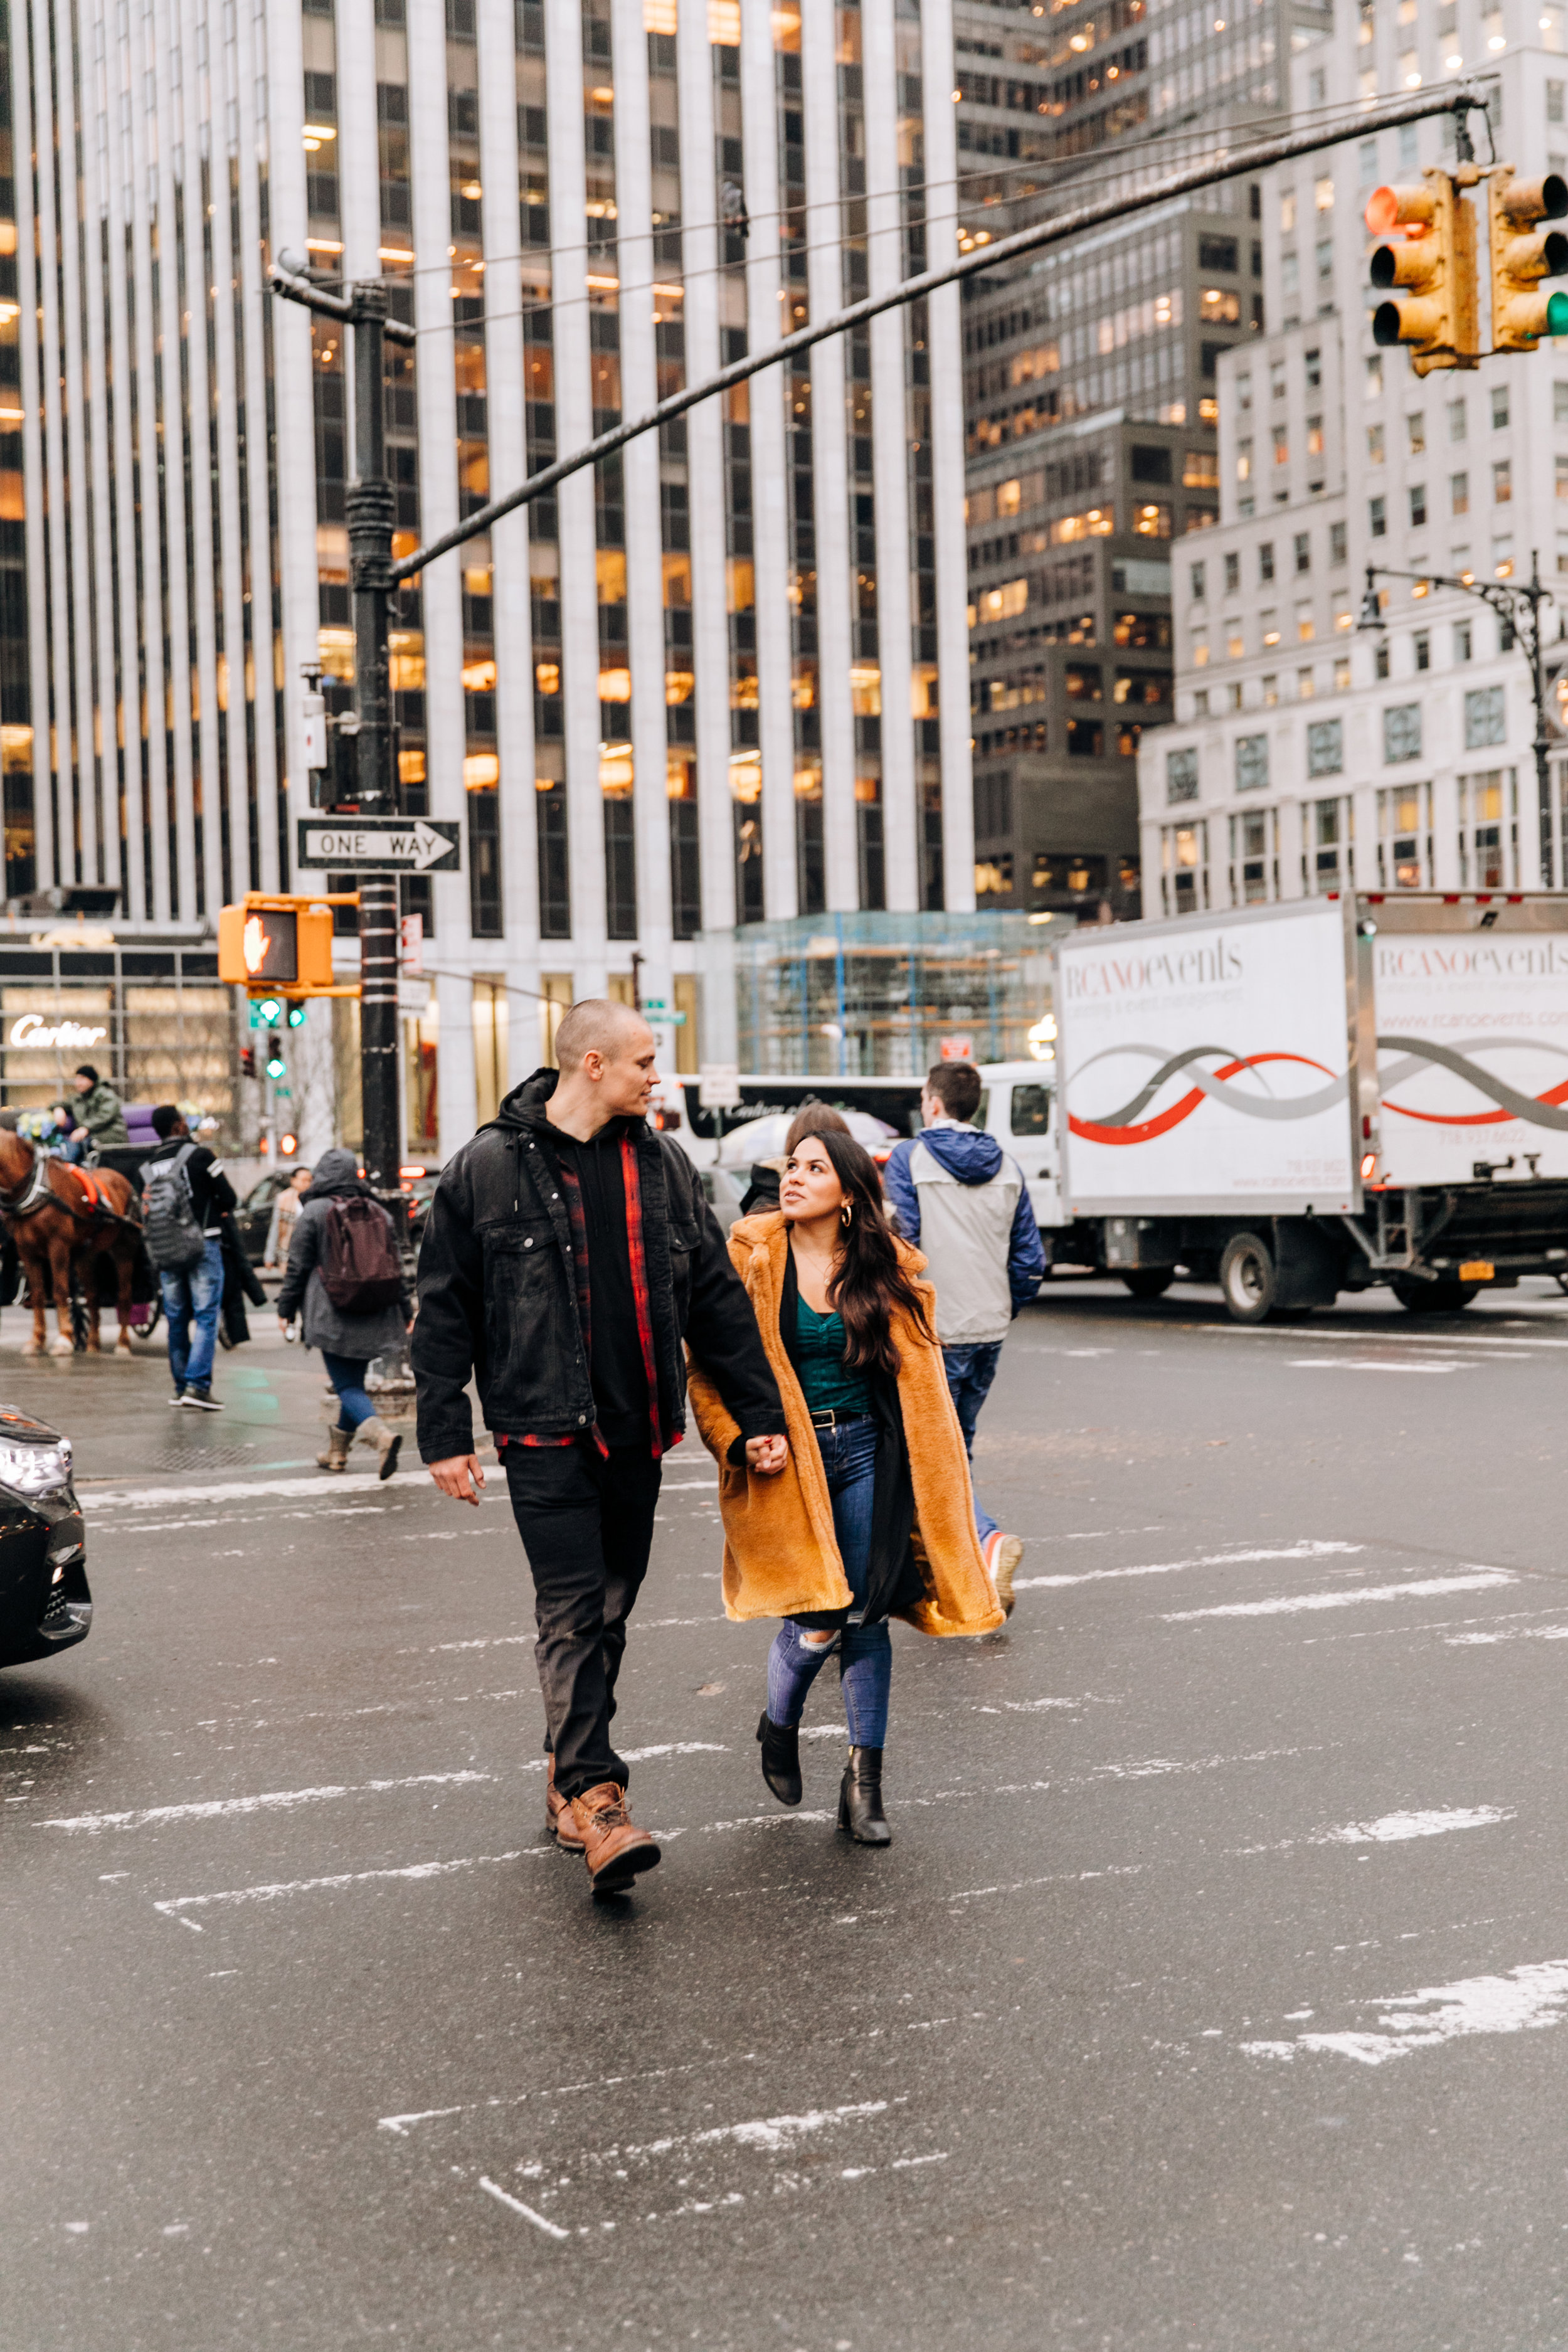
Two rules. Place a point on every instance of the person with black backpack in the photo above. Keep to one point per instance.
(345, 1268)
(185, 1195)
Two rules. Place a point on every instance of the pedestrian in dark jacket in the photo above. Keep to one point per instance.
(193, 1295)
(569, 1253)
(347, 1342)
(240, 1283)
(963, 1201)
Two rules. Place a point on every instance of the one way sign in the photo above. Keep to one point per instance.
(382, 844)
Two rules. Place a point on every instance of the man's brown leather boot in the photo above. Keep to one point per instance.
(558, 1821)
(613, 1846)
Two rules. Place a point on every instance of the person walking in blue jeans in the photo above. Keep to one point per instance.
(348, 1342)
(958, 1197)
(874, 1442)
(193, 1295)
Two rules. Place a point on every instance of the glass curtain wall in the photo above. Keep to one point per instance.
(482, 755)
(810, 880)
(405, 641)
(674, 479)
(865, 654)
(739, 599)
(918, 427)
(544, 526)
(616, 773)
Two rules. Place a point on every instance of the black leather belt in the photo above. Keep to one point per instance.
(831, 1420)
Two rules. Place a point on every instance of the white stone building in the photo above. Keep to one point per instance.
(1307, 753)
(722, 680)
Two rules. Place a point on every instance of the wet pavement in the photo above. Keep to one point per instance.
(1212, 1998)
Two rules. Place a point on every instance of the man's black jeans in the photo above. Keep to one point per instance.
(586, 1524)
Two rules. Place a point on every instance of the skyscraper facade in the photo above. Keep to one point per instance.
(1091, 401)
(719, 678)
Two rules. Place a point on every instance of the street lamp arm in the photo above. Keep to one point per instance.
(295, 289)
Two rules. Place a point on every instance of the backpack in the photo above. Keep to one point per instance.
(171, 1227)
(360, 1265)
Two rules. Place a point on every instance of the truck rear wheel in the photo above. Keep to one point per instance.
(1435, 1297)
(1247, 1277)
(1150, 1281)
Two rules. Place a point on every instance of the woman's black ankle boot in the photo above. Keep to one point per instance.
(860, 1799)
(781, 1758)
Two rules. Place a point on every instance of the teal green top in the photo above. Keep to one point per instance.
(828, 1386)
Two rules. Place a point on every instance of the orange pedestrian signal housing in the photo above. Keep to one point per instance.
(1523, 254)
(1429, 251)
(275, 946)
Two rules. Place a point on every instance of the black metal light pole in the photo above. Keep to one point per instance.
(372, 510)
(1520, 607)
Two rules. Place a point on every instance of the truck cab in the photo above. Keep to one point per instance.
(1017, 1107)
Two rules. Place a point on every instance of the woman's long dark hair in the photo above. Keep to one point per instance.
(869, 1283)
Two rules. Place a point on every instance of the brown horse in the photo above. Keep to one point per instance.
(57, 1217)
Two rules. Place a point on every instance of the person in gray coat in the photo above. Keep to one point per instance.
(347, 1342)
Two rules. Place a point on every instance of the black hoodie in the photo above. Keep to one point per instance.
(498, 1291)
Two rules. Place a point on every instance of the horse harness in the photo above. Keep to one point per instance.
(37, 1190)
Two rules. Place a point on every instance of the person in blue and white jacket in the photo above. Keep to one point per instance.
(961, 1199)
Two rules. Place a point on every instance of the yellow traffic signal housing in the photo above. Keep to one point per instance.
(1430, 249)
(275, 946)
(1522, 254)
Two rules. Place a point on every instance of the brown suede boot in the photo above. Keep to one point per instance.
(612, 1846)
(558, 1821)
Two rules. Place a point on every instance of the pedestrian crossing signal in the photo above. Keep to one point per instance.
(1429, 249)
(1522, 254)
(282, 947)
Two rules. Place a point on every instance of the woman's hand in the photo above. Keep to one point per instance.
(766, 1455)
(283, 1325)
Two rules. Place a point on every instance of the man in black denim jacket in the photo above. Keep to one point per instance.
(569, 1253)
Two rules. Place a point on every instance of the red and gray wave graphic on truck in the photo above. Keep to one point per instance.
(1128, 1124)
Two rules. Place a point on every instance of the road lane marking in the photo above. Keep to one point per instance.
(1514, 1633)
(141, 1498)
(285, 1800)
(1302, 1551)
(1392, 1828)
(177, 1906)
(1422, 1588)
(504, 2197)
(274, 1800)
(1368, 1364)
(1525, 2000)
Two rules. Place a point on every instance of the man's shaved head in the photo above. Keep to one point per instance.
(597, 1024)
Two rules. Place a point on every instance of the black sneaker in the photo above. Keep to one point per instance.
(203, 1399)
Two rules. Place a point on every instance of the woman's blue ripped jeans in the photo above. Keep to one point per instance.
(865, 1651)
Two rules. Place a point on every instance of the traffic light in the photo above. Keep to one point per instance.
(296, 1017)
(1431, 250)
(268, 1010)
(1522, 254)
(275, 943)
(277, 1067)
(247, 1060)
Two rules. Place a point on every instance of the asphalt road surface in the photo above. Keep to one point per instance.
(1213, 1996)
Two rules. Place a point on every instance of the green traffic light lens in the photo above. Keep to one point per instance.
(277, 1066)
(296, 1017)
(270, 1009)
(1557, 314)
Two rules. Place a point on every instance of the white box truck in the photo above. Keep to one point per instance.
(1302, 1099)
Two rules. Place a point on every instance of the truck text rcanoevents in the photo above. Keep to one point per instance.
(1123, 975)
(1513, 959)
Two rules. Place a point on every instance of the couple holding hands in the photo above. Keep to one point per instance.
(572, 1267)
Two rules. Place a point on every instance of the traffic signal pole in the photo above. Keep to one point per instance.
(372, 510)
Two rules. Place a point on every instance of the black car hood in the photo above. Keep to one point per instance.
(18, 1428)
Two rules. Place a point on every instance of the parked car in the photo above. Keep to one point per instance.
(254, 1214)
(45, 1603)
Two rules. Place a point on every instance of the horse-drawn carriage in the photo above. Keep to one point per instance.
(74, 1234)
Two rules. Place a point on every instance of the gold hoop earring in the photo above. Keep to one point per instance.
(844, 1215)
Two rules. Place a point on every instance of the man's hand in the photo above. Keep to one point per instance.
(766, 1455)
(458, 1476)
(283, 1325)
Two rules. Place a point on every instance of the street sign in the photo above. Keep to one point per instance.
(382, 844)
(719, 1086)
(414, 945)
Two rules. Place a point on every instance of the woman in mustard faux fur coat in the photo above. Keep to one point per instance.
(872, 1516)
